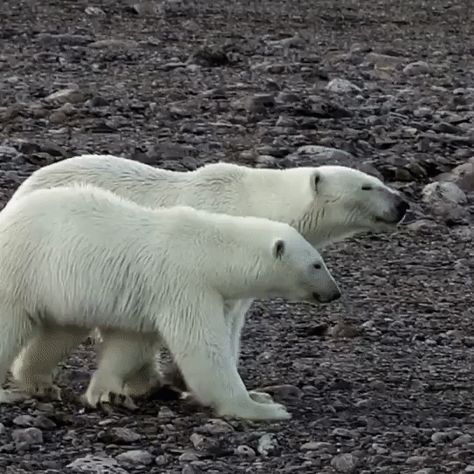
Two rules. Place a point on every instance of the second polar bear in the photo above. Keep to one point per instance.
(82, 256)
(326, 204)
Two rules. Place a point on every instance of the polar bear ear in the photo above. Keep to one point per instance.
(278, 248)
(315, 180)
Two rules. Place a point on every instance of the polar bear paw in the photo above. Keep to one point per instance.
(102, 391)
(252, 410)
(101, 399)
(260, 397)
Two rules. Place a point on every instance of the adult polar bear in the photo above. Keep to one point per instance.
(83, 256)
(325, 204)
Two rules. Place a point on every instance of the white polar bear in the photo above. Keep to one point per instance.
(325, 204)
(81, 256)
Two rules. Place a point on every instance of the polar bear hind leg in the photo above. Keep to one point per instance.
(126, 368)
(16, 328)
(33, 368)
(201, 350)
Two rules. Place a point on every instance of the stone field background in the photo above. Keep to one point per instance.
(380, 383)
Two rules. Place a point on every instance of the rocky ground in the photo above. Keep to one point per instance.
(380, 384)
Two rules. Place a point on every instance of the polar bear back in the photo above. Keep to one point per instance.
(217, 187)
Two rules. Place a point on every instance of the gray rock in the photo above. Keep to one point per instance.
(199, 441)
(267, 444)
(426, 470)
(316, 446)
(416, 68)
(113, 43)
(284, 391)
(342, 86)
(216, 426)
(384, 61)
(462, 440)
(469, 468)
(95, 465)
(245, 451)
(439, 437)
(72, 95)
(321, 153)
(188, 456)
(444, 192)
(94, 11)
(135, 456)
(119, 435)
(49, 39)
(344, 462)
(24, 420)
(7, 152)
(412, 460)
(27, 436)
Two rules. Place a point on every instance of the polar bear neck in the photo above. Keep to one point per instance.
(286, 196)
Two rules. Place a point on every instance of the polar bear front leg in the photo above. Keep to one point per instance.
(235, 313)
(33, 369)
(199, 342)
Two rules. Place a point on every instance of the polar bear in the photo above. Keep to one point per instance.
(325, 204)
(82, 256)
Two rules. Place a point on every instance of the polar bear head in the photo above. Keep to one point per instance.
(343, 202)
(286, 265)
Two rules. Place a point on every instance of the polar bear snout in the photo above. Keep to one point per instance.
(397, 208)
(402, 207)
(327, 297)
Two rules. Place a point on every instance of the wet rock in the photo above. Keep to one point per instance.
(342, 86)
(135, 457)
(416, 68)
(95, 465)
(27, 437)
(344, 463)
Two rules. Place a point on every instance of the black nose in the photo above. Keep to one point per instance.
(402, 207)
(332, 297)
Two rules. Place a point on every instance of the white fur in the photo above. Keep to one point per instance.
(83, 257)
(336, 208)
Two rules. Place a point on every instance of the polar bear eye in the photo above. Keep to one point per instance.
(317, 266)
(366, 187)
